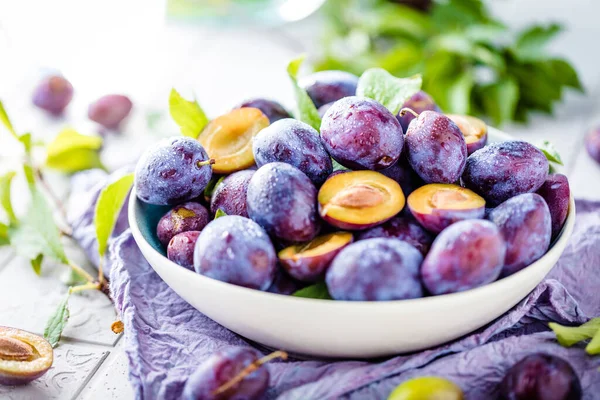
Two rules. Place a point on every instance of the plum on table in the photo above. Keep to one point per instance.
(230, 195)
(592, 144)
(190, 216)
(272, 109)
(24, 356)
(53, 94)
(418, 102)
(110, 110)
(401, 228)
(328, 86)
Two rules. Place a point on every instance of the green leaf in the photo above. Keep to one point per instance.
(5, 200)
(305, 108)
(220, 213)
(569, 335)
(394, 19)
(316, 291)
(4, 234)
(550, 152)
(57, 321)
(593, 346)
(29, 176)
(36, 264)
(500, 100)
(531, 43)
(212, 186)
(458, 94)
(108, 207)
(37, 232)
(338, 167)
(388, 90)
(6, 121)
(564, 73)
(71, 151)
(187, 114)
(26, 140)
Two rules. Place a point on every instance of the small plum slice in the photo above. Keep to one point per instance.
(23, 356)
(228, 139)
(474, 130)
(467, 255)
(359, 200)
(308, 262)
(438, 205)
(557, 194)
(404, 229)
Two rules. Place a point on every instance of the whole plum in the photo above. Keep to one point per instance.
(418, 102)
(282, 200)
(272, 109)
(503, 170)
(230, 194)
(236, 250)
(360, 133)
(526, 225)
(181, 249)
(53, 94)
(110, 110)
(186, 217)
(375, 270)
(592, 144)
(401, 228)
(557, 194)
(435, 148)
(172, 171)
(541, 377)
(295, 143)
(328, 86)
(403, 173)
(466, 255)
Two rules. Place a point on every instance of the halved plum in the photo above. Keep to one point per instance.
(228, 139)
(23, 356)
(438, 205)
(474, 130)
(359, 200)
(308, 262)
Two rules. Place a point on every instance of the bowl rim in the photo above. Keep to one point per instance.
(506, 283)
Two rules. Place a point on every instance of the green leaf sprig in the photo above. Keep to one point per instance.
(187, 114)
(315, 291)
(388, 90)
(305, 108)
(568, 336)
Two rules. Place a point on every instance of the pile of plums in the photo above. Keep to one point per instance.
(474, 212)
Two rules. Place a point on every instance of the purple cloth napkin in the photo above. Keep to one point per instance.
(166, 338)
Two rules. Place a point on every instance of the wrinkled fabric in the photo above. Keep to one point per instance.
(166, 338)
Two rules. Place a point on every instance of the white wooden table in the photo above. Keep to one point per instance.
(143, 57)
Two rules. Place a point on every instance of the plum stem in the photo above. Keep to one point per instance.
(207, 162)
(100, 272)
(51, 193)
(85, 286)
(248, 370)
(408, 110)
(81, 271)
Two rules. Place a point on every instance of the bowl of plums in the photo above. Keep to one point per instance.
(386, 227)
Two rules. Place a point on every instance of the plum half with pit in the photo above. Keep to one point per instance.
(474, 130)
(282, 200)
(466, 255)
(295, 143)
(181, 248)
(401, 228)
(272, 109)
(438, 205)
(436, 148)
(172, 171)
(228, 139)
(359, 200)
(308, 262)
(557, 194)
(375, 270)
(427, 388)
(328, 86)
(526, 225)
(53, 94)
(230, 195)
(541, 376)
(110, 110)
(418, 102)
(360, 133)
(504, 170)
(24, 356)
(236, 250)
(186, 217)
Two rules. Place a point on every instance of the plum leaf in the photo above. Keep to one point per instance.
(593, 346)
(36, 264)
(220, 213)
(500, 100)
(212, 186)
(392, 92)
(70, 151)
(5, 202)
(57, 321)
(187, 114)
(305, 108)
(3, 234)
(550, 152)
(531, 43)
(316, 291)
(337, 166)
(567, 336)
(108, 207)
(6, 121)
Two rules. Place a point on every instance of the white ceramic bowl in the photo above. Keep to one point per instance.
(344, 329)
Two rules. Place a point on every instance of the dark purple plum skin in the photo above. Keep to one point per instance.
(230, 194)
(401, 228)
(541, 377)
(435, 148)
(236, 250)
(53, 94)
(503, 170)
(272, 109)
(186, 217)
(296, 143)
(285, 284)
(181, 249)
(418, 102)
(403, 173)
(526, 225)
(282, 200)
(219, 369)
(328, 86)
(360, 133)
(377, 269)
(557, 194)
(466, 255)
(168, 172)
(110, 110)
(592, 144)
